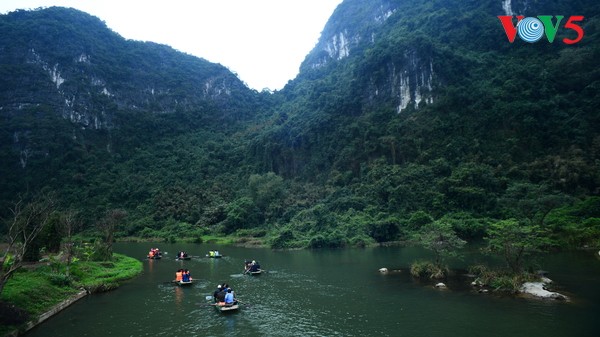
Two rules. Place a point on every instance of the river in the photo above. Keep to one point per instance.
(326, 293)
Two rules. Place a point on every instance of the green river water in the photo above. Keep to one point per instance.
(327, 293)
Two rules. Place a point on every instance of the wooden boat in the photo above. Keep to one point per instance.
(254, 273)
(183, 258)
(155, 257)
(182, 283)
(227, 308)
(214, 256)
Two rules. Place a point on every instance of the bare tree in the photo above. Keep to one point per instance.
(108, 225)
(69, 223)
(26, 222)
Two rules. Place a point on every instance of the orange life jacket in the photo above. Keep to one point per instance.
(178, 276)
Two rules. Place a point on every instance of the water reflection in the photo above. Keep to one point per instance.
(178, 296)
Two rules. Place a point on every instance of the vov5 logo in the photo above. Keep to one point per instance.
(532, 29)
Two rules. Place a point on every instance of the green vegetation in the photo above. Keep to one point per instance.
(500, 280)
(37, 290)
(514, 241)
(427, 269)
(440, 238)
(181, 150)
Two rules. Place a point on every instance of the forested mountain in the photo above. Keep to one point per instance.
(405, 112)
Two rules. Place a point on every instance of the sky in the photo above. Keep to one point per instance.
(262, 41)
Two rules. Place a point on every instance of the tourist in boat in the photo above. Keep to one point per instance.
(216, 253)
(247, 265)
(254, 267)
(211, 253)
(220, 298)
(179, 275)
(216, 293)
(185, 276)
(229, 297)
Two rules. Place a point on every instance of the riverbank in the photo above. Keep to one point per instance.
(40, 292)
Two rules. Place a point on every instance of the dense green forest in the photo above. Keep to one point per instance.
(427, 115)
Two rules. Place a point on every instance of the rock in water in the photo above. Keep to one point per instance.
(536, 289)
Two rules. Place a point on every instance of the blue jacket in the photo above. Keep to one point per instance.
(229, 298)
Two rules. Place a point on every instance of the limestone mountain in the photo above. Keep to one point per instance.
(404, 112)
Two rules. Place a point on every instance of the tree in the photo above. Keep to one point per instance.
(440, 238)
(69, 223)
(27, 220)
(532, 202)
(266, 191)
(241, 213)
(107, 226)
(515, 241)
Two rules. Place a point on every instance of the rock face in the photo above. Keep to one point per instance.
(536, 289)
(407, 78)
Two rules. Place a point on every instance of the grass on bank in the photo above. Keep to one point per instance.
(99, 276)
(36, 290)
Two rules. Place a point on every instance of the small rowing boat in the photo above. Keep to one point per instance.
(214, 256)
(182, 283)
(227, 307)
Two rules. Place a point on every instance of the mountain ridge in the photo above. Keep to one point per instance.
(434, 112)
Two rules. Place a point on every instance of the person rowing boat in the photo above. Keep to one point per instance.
(252, 268)
(154, 254)
(224, 298)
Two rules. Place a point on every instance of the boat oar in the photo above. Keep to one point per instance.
(243, 303)
(207, 304)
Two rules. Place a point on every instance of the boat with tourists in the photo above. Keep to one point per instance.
(183, 256)
(224, 299)
(252, 268)
(154, 254)
(183, 277)
(214, 254)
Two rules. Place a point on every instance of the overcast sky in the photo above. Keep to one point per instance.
(263, 41)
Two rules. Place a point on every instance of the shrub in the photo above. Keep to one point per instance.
(383, 231)
(506, 283)
(331, 240)
(283, 240)
(427, 269)
(361, 241)
(59, 279)
(500, 281)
